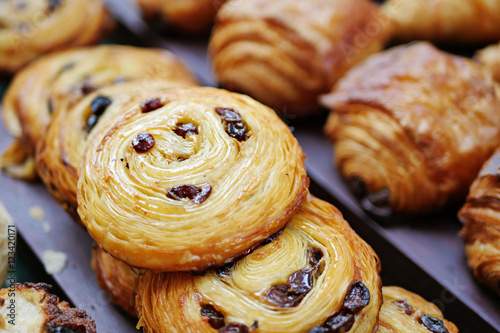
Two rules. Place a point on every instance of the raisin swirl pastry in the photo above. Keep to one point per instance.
(445, 21)
(60, 151)
(116, 278)
(61, 79)
(412, 127)
(481, 219)
(39, 311)
(316, 276)
(490, 58)
(286, 53)
(404, 311)
(30, 28)
(191, 184)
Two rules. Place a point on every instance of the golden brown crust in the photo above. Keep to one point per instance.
(490, 58)
(38, 311)
(445, 21)
(404, 311)
(116, 278)
(481, 218)
(317, 242)
(31, 28)
(194, 200)
(285, 53)
(413, 125)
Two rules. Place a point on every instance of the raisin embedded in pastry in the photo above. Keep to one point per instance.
(412, 127)
(490, 58)
(30, 28)
(404, 311)
(286, 53)
(316, 276)
(38, 311)
(191, 184)
(481, 219)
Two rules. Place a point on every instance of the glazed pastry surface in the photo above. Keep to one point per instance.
(317, 273)
(30, 28)
(285, 53)
(412, 127)
(446, 21)
(191, 184)
(404, 311)
(481, 219)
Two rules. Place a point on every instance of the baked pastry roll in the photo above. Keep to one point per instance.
(61, 79)
(30, 28)
(190, 181)
(286, 53)
(60, 151)
(412, 127)
(481, 219)
(445, 21)
(490, 58)
(116, 278)
(39, 311)
(404, 311)
(316, 276)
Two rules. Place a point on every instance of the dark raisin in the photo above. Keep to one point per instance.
(340, 322)
(271, 238)
(234, 328)
(50, 105)
(91, 122)
(143, 142)
(319, 329)
(301, 282)
(357, 186)
(357, 297)
(61, 330)
(127, 166)
(87, 88)
(403, 304)
(205, 191)
(255, 325)
(237, 130)
(54, 4)
(198, 273)
(224, 270)
(151, 105)
(99, 105)
(215, 318)
(281, 296)
(314, 257)
(229, 114)
(196, 194)
(183, 129)
(434, 325)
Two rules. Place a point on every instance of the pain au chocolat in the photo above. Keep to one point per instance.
(412, 127)
(286, 53)
(192, 182)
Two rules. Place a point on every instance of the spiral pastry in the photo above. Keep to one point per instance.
(30, 28)
(286, 53)
(412, 127)
(490, 58)
(60, 151)
(481, 219)
(61, 79)
(404, 311)
(191, 183)
(445, 21)
(316, 276)
(116, 278)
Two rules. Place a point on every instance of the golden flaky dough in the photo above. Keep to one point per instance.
(404, 311)
(30, 28)
(61, 79)
(412, 127)
(38, 311)
(285, 53)
(481, 230)
(116, 278)
(60, 150)
(490, 58)
(158, 197)
(445, 21)
(334, 263)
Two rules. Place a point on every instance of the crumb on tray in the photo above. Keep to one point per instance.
(54, 261)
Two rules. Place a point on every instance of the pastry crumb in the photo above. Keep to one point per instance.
(46, 227)
(54, 261)
(37, 213)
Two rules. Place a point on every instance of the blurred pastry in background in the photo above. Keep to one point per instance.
(490, 58)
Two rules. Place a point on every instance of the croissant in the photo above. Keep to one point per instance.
(61, 79)
(30, 28)
(190, 182)
(36, 310)
(116, 278)
(316, 276)
(445, 21)
(404, 311)
(481, 219)
(286, 53)
(490, 58)
(411, 128)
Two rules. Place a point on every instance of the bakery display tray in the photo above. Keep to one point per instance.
(423, 254)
